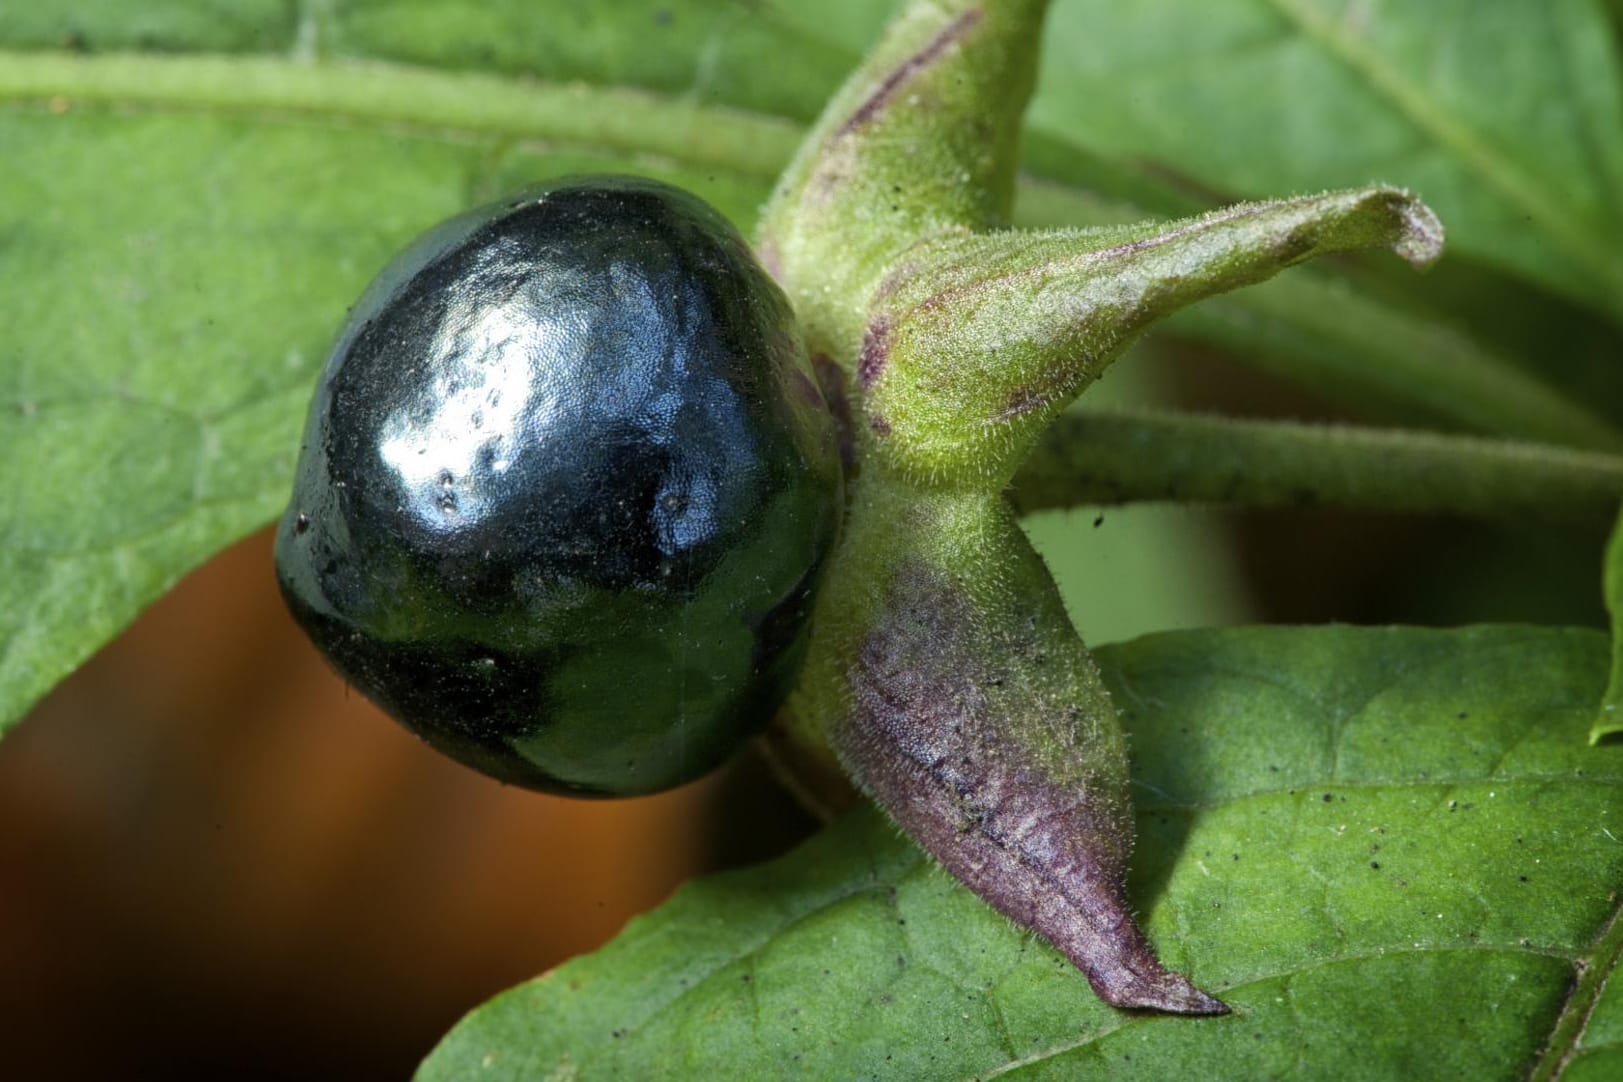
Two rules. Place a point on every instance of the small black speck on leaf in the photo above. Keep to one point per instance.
(1375, 864)
(1328, 798)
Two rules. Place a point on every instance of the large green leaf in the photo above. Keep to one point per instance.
(1390, 850)
(1505, 116)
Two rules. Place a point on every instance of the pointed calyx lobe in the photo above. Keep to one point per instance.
(943, 672)
(979, 723)
(979, 340)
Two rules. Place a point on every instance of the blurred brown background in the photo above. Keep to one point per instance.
(217, 862)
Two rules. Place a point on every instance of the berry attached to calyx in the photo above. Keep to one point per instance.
(566, 488)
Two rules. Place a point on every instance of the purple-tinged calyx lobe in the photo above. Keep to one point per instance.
(978, 722)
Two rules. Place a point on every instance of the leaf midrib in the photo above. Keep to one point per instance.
(411, 98)
(1569, 1028)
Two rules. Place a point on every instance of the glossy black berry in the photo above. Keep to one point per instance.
(565, 490)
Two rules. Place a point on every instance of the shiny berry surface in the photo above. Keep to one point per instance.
(565, 490)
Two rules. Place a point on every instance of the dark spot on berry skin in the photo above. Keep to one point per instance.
(582, 441)
(875, 351)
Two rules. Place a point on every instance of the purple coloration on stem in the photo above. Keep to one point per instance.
(875, 351)
(928, 741)
(919, 60)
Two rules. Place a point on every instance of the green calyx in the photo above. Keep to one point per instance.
(944, 678)
(975, 342)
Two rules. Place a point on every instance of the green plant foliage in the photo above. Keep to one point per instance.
(1390, 851)
(1521, 156)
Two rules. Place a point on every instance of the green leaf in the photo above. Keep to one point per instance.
(1389, 849)
(1609, 722)
(1506, 117)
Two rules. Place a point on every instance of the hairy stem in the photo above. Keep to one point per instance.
(922, 139)
(1098, 457)
(411, 98)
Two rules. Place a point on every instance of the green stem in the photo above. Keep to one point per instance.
(412, 98)
(1094, 457)
(921, 140)
(1320, 333)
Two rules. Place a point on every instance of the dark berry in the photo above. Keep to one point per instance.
(565, 490)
